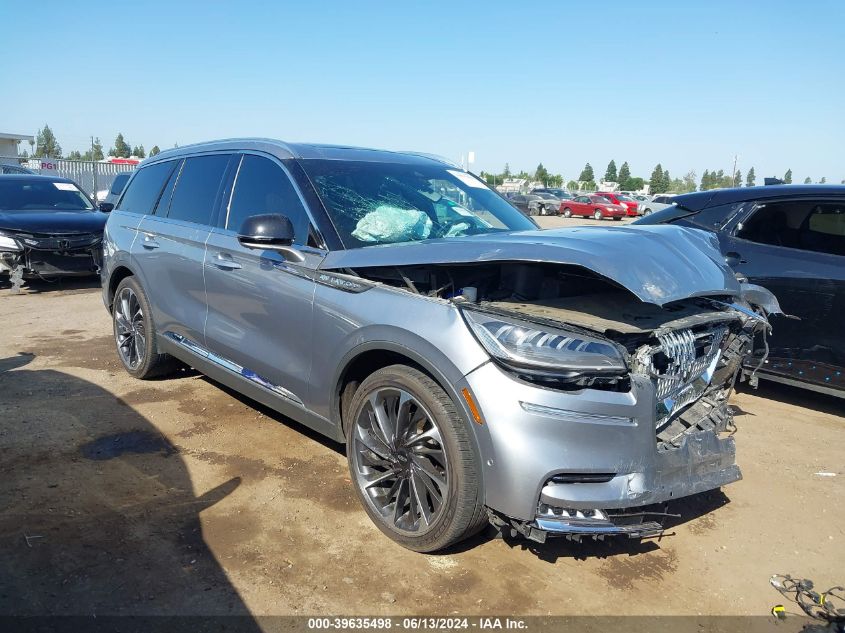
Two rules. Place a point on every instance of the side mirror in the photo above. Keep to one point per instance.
(271, 232)
(105, 207)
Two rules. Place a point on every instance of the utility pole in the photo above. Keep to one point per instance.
(733, 172)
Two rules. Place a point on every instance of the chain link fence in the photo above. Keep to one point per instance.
(92, 176)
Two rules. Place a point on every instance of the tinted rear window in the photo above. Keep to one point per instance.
(119, 183)
(197, 189)
(143, 193)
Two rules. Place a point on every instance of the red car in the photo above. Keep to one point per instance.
(621, 199)
(594, 206)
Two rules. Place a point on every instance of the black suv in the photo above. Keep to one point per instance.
(790, 239)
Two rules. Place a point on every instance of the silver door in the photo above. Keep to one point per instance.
(260, 306)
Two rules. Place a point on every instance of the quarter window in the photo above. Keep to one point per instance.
(195, 196)
(261, 186)
(145, 188)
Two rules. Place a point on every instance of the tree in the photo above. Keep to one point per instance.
(46, 145)
(624, 177)
(787, 177)
(74, 155)
(97, 150)
(587, 174)
(610, 174)
(541, 174)
(572, 185)
(155, 150)
(737, 182)
(667, 181)
(634, 184)
(656, 184)
(823, 180)
(121, 148)
(750, 178)
(689, 183)
(808, 180)
(139, 151)
(507, 172)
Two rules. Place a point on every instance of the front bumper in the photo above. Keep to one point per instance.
(36, 264)
(532, 436)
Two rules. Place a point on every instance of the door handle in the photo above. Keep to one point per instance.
(732, 259)
(149, 241)
(222, 260)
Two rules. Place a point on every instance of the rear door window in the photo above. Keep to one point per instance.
(143, 192)
(805, 225)
(197, 191)
(262, 186)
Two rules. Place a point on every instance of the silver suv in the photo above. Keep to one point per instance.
(477, 369)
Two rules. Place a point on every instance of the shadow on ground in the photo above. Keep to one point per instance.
(64, 284)
(98, 515)
(797, 397)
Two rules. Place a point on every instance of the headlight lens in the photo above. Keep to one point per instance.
(8, 244)
(532, 345)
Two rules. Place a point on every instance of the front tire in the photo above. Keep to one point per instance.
(567, 212)
(598, 215)
(135, 333)
(412, 460)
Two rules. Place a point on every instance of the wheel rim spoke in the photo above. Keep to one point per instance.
(427, 469)
(381, 418)
(399, 460)
(424, 511)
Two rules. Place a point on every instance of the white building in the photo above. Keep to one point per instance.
(9, 146)
(513, 185)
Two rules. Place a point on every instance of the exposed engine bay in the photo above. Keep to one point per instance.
(691, 349)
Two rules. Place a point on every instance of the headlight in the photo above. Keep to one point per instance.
(8, 244)
(537, 346)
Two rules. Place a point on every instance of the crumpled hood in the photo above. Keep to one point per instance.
(50, 222)
(659, 264)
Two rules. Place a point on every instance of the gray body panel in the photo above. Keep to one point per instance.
(168, 256)
(259, 314)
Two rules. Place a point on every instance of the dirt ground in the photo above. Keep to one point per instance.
(177, 496)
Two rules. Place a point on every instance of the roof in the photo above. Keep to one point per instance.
(715, 197)
(304, 151)
(16, 137)
(34, 177)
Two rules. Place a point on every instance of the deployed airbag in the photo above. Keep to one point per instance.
(388, 224)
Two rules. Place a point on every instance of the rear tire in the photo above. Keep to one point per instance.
(598, 215)
(617, 219)
(135, 333)
(434, 480)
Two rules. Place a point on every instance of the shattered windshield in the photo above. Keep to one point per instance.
(383, 203)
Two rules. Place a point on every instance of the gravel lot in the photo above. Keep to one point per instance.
(178, 496)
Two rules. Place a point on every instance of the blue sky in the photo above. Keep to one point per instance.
(686, 84)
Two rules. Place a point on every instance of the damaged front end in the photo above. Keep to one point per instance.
(26, 255)
(600, 403)
(684, 358)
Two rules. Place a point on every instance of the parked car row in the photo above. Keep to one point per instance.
(548, 201)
